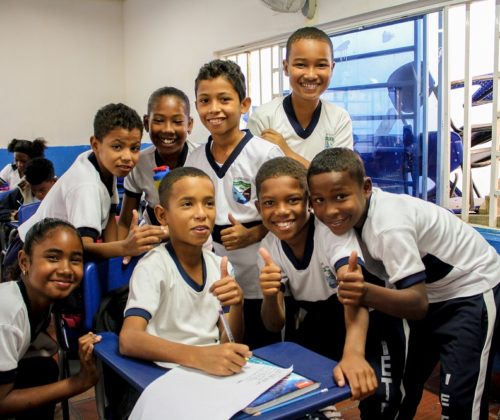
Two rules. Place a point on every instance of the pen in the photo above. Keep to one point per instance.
(223, 319)
(302, 397)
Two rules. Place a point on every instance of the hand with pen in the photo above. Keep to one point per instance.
(230, 357)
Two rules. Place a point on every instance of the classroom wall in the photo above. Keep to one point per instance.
(60, 60)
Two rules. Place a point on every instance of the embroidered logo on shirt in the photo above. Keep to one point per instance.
(329, 276)
(329, 141)
(242, 190)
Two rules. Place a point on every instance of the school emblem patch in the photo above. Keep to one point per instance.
(329, 277)
(329, 141)
(242, 190)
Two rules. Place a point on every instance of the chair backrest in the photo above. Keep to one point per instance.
(99, 278)
(26, 211)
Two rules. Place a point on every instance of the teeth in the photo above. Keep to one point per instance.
(310, 85)
(216, 121)
(283, 224)
(168, 141)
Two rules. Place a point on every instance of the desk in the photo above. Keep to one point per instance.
(140, 373)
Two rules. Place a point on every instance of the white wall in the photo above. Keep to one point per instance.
(60, 60)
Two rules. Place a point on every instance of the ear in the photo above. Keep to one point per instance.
(367, 186)
(285, 67)
(94, 143)
(257, 205)
(333, 64)
(190, 125)
(245, 105)
(23, 261)
(161, 215)
(145, 121)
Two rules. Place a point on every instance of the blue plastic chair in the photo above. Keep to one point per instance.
(26, 211)
(99, 278)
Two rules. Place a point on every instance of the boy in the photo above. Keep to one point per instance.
(177, 290)
(302, 124)
(86, 193)
(231, 158)
(440, 273)
(39, 177)
(302, 257)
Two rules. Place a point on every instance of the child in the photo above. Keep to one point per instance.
(302, 124)
(86, 193)
(177, 290)
(24, 151)
(231, 158)
(301, 255)
(39, 176)
(52, 266)
(168, 123)
(440, 272)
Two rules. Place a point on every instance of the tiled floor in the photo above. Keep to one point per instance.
(83, 407)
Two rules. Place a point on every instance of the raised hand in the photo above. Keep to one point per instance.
(227, 290)
(270, 275)
(141, 239)
(352, 286)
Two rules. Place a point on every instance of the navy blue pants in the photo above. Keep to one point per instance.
(459, 334)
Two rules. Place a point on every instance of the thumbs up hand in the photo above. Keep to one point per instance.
(235, 237)
(270, 275)
(227, 290)
(352, 286)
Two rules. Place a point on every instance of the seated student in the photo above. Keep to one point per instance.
(86, 195)
(302, 258)
(24, 151)
(168, 123)
(52, 267)
(231, 158)
(303, 124)
(440, 271)
(39, 176)
(177, 290)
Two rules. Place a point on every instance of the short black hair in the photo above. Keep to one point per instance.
(113, 116)
(308, 32)
(39, 170)
(168, 91)
(33, 149)
(281, 166)
(338, 159)
(175, 175)
(227, 69)
(39, 231)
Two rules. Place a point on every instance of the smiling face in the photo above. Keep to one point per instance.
(338, 200)
(118, 152)
(283, 207)
(309, 68)
(168, 125)
(220, 108)
(55, 267)
(190, 211)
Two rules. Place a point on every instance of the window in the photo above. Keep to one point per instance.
(388, 77)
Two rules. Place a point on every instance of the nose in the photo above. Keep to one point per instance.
(126, 155)
(200, 213)
(282, 208)
(168, 127)
(214, 107)
(331, 210)
(64, 267)
(311, 72)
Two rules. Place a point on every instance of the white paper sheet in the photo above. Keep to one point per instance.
(184, 393)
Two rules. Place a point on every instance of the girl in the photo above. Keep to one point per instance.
(168, 123)
(24, 151)
(51, 263)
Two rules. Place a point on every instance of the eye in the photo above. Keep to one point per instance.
(186, 204)
(210, 203)
(77, 260)
(179, 122)
(294, 200)
(268, 203)
(157, 120)
(135, 149)
(225, 99)
(340, 197)
(203, 101)
(318, 200)
(52, 258)
(116, 147)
